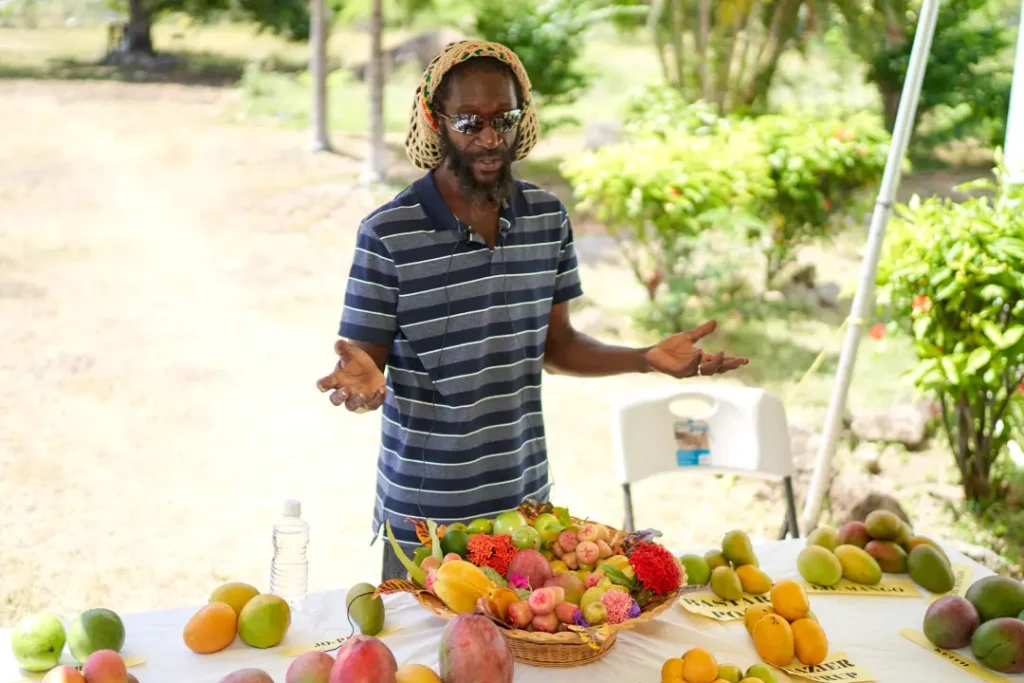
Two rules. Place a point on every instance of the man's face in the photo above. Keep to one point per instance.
(482, 161)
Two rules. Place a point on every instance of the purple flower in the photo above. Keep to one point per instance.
(634, 611)
(579, 620)
(516, 580)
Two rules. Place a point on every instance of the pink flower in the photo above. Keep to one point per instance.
(516, 580)
(619, 604)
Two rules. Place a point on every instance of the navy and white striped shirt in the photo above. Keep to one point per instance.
(462, 434)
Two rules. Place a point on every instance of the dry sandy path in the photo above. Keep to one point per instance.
(169, 290)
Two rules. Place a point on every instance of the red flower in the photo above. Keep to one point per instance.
(485, 550)
(655, 568)
(877, 332)
(921, 304)
(826, 204)
(676, 191)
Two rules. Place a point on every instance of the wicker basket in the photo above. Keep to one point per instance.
(575, 647)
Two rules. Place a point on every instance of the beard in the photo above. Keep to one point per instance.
(460, 164)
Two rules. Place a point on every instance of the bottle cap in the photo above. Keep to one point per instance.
(292, 508)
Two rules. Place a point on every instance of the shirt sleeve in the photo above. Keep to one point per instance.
(567, 279)
(371, 297)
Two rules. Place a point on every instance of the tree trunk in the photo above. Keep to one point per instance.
(890, 102)
(138, 36)
(320, 141)
(702, 49)
(377, 159)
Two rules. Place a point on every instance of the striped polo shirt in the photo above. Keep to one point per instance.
(462, 434)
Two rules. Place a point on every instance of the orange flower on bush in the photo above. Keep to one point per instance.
(877, 332)
(921, 304)
(485, 550)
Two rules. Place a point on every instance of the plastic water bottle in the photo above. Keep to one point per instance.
(289, 570)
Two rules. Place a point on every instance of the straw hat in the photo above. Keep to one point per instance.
(423, 141)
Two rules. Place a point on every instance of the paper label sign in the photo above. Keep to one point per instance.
(962, 575)
(893, 588)
(129, 662)
(836, 667)
(707, 604)
(958, 660)
(331, 644)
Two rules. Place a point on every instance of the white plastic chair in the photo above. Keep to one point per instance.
(709, 428)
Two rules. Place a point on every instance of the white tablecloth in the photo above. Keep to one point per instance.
(866, 628)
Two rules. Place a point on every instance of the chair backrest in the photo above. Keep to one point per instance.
(708, 428)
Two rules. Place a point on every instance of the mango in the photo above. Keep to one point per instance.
(999, 645)
(825, 536)
(789, 600)
(715, 559)
(235, 594)
(915, 541)
(729, 673)
(858, 566)
(699, 666)
(737, 549)
(754, 613)
(883, 525)
(211, 629)
(930, 570)
(264, 621)
(809, 641)
(63, 674)
(366, 611)
(247, 675)
(996, 596)
(854, 533)
(725, 584)
(364, 659)
(891, 557)
(105, 666)
(950, 622)
(672, 669)
(753, 580)
(472, 650)
(310, 667)
(416, 673)
(94, 630)
(698, 573)
(819, 566)
(37, 641)
(904, 535)
(773, 640)
(762, 673)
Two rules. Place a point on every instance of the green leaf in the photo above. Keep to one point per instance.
(991, 330)
(921, 326)
(978, 359)
(562, 514)
(949, 370)
(616, 576)
(923, 369)
(435, 542)
(1012, 335)
(415, 573)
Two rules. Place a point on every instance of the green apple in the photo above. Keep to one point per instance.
(526, 537)
(37, 641)
(507, 522)
(480, 526)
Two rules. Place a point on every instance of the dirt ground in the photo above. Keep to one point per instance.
(170, 285)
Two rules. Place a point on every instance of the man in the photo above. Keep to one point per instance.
(460, 288)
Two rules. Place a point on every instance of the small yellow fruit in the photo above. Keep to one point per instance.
(773, 640)
(236, 594)
(809, 641)
(416, 673)
(753, 580)
(789, 600)
(672, 670)
(699, 666)
(559, 567)
(754, 613)
(211, 629)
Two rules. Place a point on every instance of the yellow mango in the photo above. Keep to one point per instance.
(753, 580)
(809, 641)
(459, 584)
(773, 640)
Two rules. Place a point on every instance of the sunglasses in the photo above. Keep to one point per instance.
(473, 124)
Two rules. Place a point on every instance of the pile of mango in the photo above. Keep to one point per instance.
(989, 618)
(260, 620)
(731, 571)
(862, 551)
(787, 628)
(700, 666)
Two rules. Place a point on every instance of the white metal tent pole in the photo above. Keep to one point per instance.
(1013, 150)
(864, 298)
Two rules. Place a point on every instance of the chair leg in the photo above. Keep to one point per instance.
(627, 496)
(791, 523)
(784, 531)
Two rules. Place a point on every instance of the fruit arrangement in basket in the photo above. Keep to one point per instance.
(537, 569)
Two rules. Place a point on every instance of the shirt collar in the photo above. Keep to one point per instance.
(442, 217)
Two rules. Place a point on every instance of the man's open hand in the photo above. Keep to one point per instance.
(356, 381)
(679, 357)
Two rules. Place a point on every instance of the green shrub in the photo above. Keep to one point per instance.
(952, 277)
